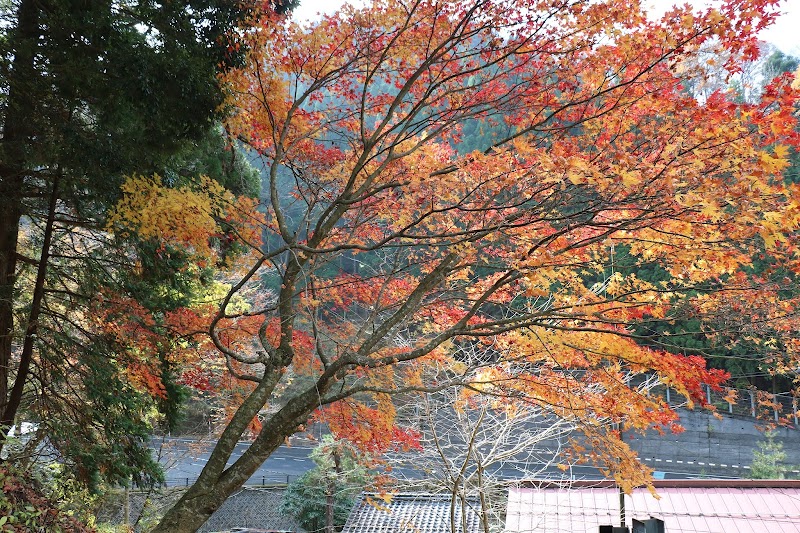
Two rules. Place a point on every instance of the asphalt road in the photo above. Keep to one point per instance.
(183, 459)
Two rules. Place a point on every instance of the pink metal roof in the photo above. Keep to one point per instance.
(707, 506)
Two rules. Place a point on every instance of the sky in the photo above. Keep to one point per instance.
(785, 33)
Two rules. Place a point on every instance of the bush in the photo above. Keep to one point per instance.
(25, 507)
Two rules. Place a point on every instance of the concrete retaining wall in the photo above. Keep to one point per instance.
(711, 445)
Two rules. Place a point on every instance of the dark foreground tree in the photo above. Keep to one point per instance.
(510, 250)
(89, 92)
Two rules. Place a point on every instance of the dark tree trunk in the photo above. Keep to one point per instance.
(15, 143)
(9, 229)
(329, 511)
(26, 355)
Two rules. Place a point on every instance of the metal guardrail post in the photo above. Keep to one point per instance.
(667, 395)
(774, 406)
(730, 403)
(794, 410)
(752, 404)
(708, 393)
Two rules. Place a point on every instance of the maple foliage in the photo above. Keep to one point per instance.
(190, 228)
(358, 118)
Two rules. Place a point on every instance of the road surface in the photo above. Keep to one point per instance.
(183, 459)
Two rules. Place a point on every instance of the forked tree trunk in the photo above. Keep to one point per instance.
(216, 483)
(209, 492)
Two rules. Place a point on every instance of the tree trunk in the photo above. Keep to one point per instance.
(329, 517)
(9, 229)
(26, 356)
(217, 482)
(14, 143)
(208, 493)
(329, 511)
(482, 495)
(127, 511)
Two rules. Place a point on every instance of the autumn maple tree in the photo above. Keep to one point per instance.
(384, 247)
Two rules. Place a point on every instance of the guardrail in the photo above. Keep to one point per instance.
(780, 408)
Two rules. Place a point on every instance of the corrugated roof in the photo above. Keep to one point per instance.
(409, 513)
(695, 507)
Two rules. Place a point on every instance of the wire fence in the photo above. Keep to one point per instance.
(257, 480)
(780, 408)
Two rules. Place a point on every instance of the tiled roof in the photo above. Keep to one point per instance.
(713, 506)
(409, 513)
(250, 507)
(253, 507)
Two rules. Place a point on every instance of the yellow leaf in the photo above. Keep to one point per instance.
(575, 177)
(629, 179)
